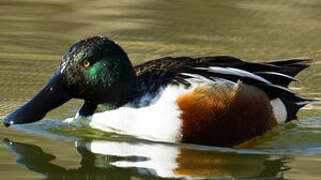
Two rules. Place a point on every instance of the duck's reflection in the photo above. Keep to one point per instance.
(91, 165)
(122, 160)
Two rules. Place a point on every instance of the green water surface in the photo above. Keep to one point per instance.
(35, 34)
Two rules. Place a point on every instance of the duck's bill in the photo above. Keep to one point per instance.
(50, 97)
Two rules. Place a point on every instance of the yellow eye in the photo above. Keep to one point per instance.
(86, 63)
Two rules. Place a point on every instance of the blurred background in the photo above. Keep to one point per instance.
(34, 36)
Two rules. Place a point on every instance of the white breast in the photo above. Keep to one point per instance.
(159, 121)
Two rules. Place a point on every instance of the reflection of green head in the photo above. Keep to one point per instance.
(98, 70)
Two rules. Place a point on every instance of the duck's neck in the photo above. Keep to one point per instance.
(90, 107)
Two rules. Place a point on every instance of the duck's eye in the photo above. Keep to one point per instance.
(86, 63)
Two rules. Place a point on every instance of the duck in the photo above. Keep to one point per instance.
(215, 100)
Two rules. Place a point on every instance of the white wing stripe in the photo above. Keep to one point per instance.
(251, 75)
(196, 76)
(242, 73)
(278, 74)
(283, 88)
(237, 72)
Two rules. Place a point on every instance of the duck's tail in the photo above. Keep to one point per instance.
(292, 102)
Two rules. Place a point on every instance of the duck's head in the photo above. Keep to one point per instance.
(94, 69)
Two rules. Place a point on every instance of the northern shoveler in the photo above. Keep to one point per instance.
(219, 100)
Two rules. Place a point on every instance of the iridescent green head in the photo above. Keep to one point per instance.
(97, 69)
(94, 69)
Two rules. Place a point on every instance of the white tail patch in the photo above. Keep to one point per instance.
(279, 110)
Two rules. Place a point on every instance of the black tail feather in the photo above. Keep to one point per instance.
(292, 67)
(293, 104)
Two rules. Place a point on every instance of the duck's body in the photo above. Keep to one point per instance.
(193, 115)
(220, 101)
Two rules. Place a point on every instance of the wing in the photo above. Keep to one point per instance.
(271, 77)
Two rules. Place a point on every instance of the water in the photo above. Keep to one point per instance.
(35, 34)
